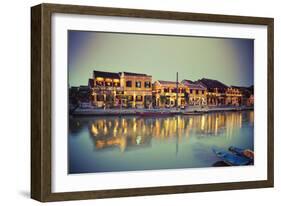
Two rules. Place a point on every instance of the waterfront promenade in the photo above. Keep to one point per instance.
(88, 111)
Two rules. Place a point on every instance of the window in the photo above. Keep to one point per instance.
(166, 89)
(119, 92)
(109, 98)
(138, 98)
(174, 90)
(180, 90)
(116, 84)
(99, 83)
(147, 84)
(130, 98)
(190, 91)
(100, 97)
(197, 91)
(128, 83)
(138, 84)
(108, 84)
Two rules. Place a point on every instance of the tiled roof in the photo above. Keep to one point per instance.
(163, 82)
(188, 81)
(193, 85)
(132, 74)
(106, 74)
(246, 91)
(166, 82)
(211, 83)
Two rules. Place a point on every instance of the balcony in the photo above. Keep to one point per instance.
(108, 88)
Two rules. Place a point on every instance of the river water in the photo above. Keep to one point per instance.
(129, 143)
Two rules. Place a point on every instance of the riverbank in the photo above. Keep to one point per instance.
(191, 110)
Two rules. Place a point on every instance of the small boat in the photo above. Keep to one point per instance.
(231, 159)
(194, 112)
(242, 152)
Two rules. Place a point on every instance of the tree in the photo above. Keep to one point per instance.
(147, 101)
(186, 97)
(163, 99)
(109, 101)
(154, 103)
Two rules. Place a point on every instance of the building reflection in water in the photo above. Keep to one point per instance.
(130, 133)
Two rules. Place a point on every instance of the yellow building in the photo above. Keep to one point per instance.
(106, 90)
(123, 89)
(216, 91)
(220, 94)
(165, 94)
(247, 95)
(233, 96)
(137, 89)
(197, 94)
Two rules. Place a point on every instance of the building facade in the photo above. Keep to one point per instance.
(122, 89)
(219, 94)
(233, 96)
(106, 90)
(165, 94)
(197, 93)
(216, 91)
(247, 95)
(137, 89)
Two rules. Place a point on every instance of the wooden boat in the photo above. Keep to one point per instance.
(231, 159)
(242, 152)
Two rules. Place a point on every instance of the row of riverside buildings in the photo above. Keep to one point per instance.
(135, 90)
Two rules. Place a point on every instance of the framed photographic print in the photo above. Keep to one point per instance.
(130, 102)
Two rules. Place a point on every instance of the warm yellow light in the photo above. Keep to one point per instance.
(123, 144)
(105, 130)
(94, 130)
(99, 79)
(202, 122)
(115, 131)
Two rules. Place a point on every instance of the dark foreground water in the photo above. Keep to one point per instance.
(107, 144)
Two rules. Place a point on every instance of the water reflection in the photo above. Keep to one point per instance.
(128, 133)
(106, 144)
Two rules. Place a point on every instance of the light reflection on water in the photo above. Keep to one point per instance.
(104, 144)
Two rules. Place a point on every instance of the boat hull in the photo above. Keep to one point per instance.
(231, 159)
(242, 152)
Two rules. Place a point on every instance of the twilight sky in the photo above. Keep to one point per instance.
(230, 61)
